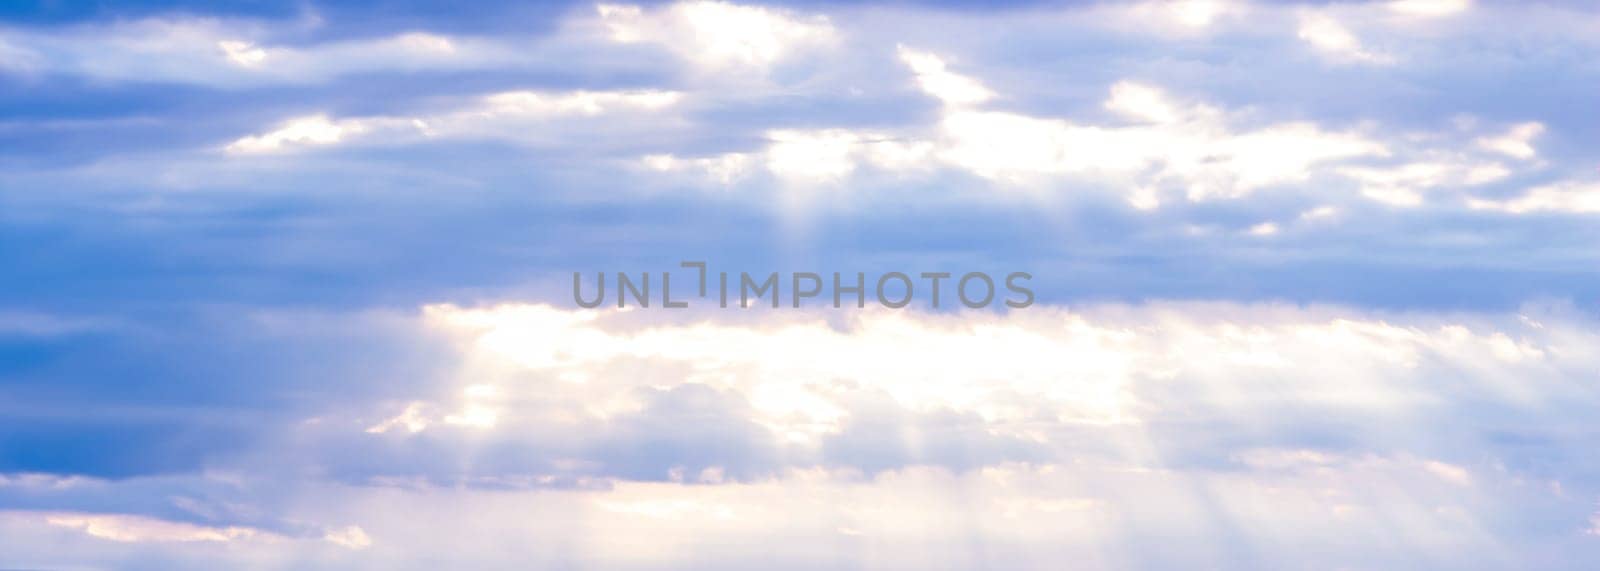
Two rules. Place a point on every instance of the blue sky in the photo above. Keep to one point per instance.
(287, 286)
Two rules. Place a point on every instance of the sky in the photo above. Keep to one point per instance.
(288, 286)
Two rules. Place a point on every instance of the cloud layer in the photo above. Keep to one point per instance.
(287, 288)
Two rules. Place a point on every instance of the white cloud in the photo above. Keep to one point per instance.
(816, 156)
(303, 131)
(1197, 13)
(805, 157)
(1319, 213)
(723, 169)
(1571, 198)
(539, 104)
(719, 34)
(1144, 198)
(1449, 472)
(910, 440)
(1429, 8)
(1022, 515)
(1330, 37)
(234, 53)
(505, 115)
(1188, 146)
(140, 529)
(1171, 144)
(1024, 431)
(934, 79)
(1264, 229)
(1405, 184)
(1142, 102)
(1516, 142)
(1169, 19)
(1115, 359)
(243, 53)
(413, 419)
(352, 537)
(1038, 425)
(475, 416)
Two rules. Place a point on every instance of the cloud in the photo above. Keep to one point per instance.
(1197, 13)
(1190, 146)
(1429, 8)
(807, 157)
(1569, 198)
(1163, 143)
(1154, 144)
(1160, 144)
(352, 537)
(717, 35)
(821, 155)
(934, 79)
(289, 293)
(303, 131)
(664, 428)
(136, 529)
(1169, 19)
(1043, 373)
(1517, 142)
(1160, 416)
(243, 53)
(497, 116)
(1404, 184)
(228, 53)
(1264, 229)
(1027, 516)
(724, 169)
(1329, 36)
